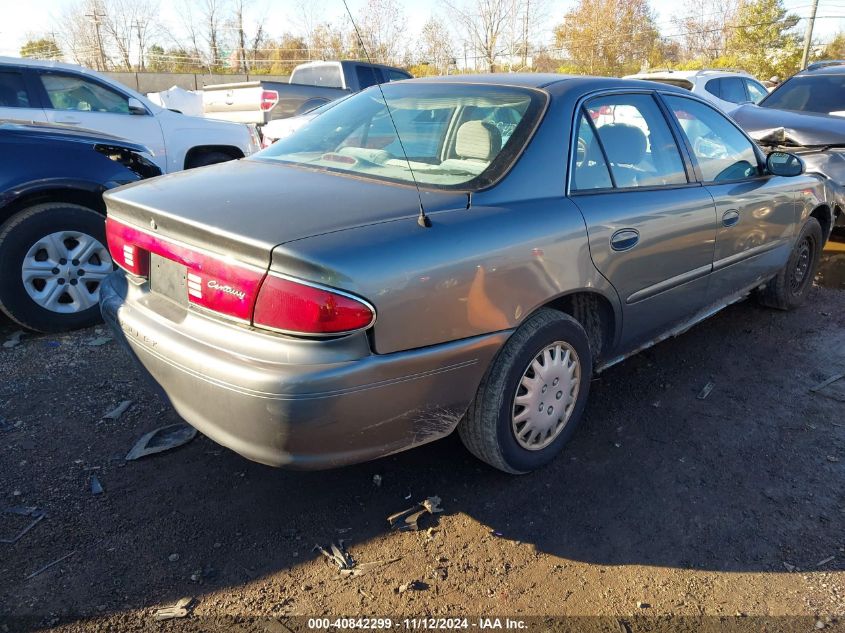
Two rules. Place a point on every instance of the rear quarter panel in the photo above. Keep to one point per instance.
(475, 271)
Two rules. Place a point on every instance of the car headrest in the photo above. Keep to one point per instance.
(624, 144)
(478, 139)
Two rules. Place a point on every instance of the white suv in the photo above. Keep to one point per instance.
(53, 92)
(726, 89)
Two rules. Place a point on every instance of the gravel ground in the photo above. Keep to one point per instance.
(662, 505)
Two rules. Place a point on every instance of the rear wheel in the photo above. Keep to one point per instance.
(533, 395)
(53, 257)
(790, 287)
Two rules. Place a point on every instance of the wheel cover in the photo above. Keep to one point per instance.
(546, 396)
(62, 271)
(802, 266)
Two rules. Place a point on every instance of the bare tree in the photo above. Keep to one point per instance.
(80, 26)
(484, 23)
(381, 25)
(703, 28)
(435, 45)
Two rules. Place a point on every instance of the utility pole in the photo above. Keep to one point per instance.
(140, 46)
(808, 35)
(525, 36)
(96, 15)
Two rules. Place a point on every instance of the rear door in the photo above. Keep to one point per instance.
(651, 227)
(74, 99)
(756, 212)
(18, 101)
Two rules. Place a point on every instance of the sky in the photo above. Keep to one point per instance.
(20, 18)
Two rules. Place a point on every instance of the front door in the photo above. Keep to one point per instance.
(651, 227)
(756, 212)
(76, 100)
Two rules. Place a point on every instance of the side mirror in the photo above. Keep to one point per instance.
(784, 164)
(136, 107)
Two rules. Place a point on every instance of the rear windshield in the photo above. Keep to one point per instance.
(824, 94)
(455, 136)
(326, 75)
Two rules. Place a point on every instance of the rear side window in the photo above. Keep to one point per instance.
(13, 91)
(395, 75)
(722, 151)
(590, 170)
(70, 92)
(367, 76)
(637, 141)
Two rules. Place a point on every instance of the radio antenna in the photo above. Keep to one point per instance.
(422, 219)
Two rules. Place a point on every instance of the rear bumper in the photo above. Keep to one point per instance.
(290, 402)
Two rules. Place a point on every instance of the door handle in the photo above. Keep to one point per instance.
(730, 217)
(624, 239)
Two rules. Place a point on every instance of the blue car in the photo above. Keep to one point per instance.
(52, 230)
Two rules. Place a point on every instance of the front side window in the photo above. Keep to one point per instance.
(756, 92)
(455, 135)
(70, 92)
(722, 151)
(637, 141)
(13, 92)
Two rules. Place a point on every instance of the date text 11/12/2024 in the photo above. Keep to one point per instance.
(433, 624)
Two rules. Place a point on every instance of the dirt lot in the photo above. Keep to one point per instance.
(733, 505)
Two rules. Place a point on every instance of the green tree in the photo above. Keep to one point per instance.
(763, 40)
(41, 48)
(608, 37)
(835, 49)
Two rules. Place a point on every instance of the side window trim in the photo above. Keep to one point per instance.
(757, 151)
(691, 168)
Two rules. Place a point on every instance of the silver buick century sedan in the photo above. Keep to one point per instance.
(452, 253)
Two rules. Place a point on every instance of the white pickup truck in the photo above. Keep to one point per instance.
(54, 92)
(310, 85)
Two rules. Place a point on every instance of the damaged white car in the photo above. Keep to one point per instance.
(806, 116)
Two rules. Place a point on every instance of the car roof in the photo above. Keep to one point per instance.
(832, 68)
(551, 82)
(688, 74)
(41, 63)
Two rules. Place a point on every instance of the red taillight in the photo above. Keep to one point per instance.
(269, 99)
(225, 287)
(124, 249)
(290, 306)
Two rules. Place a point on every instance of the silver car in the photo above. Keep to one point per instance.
(466, 259)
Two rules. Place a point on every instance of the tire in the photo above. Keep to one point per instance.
(40, 298)
(488, 429)
(790, 287)
(203, 159)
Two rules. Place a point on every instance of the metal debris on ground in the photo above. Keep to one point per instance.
(97, 342)
(414, 585)
(162, 439)
(337, 554)
(408, 520)
(178, 610)
(24, 511)
(788, 567)
(96, 486)
(49, 565)
(827, 382)
(377, 481)
(118, 411)
(706, 391)
(825, 561)
(364, 568)
(14, 340)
